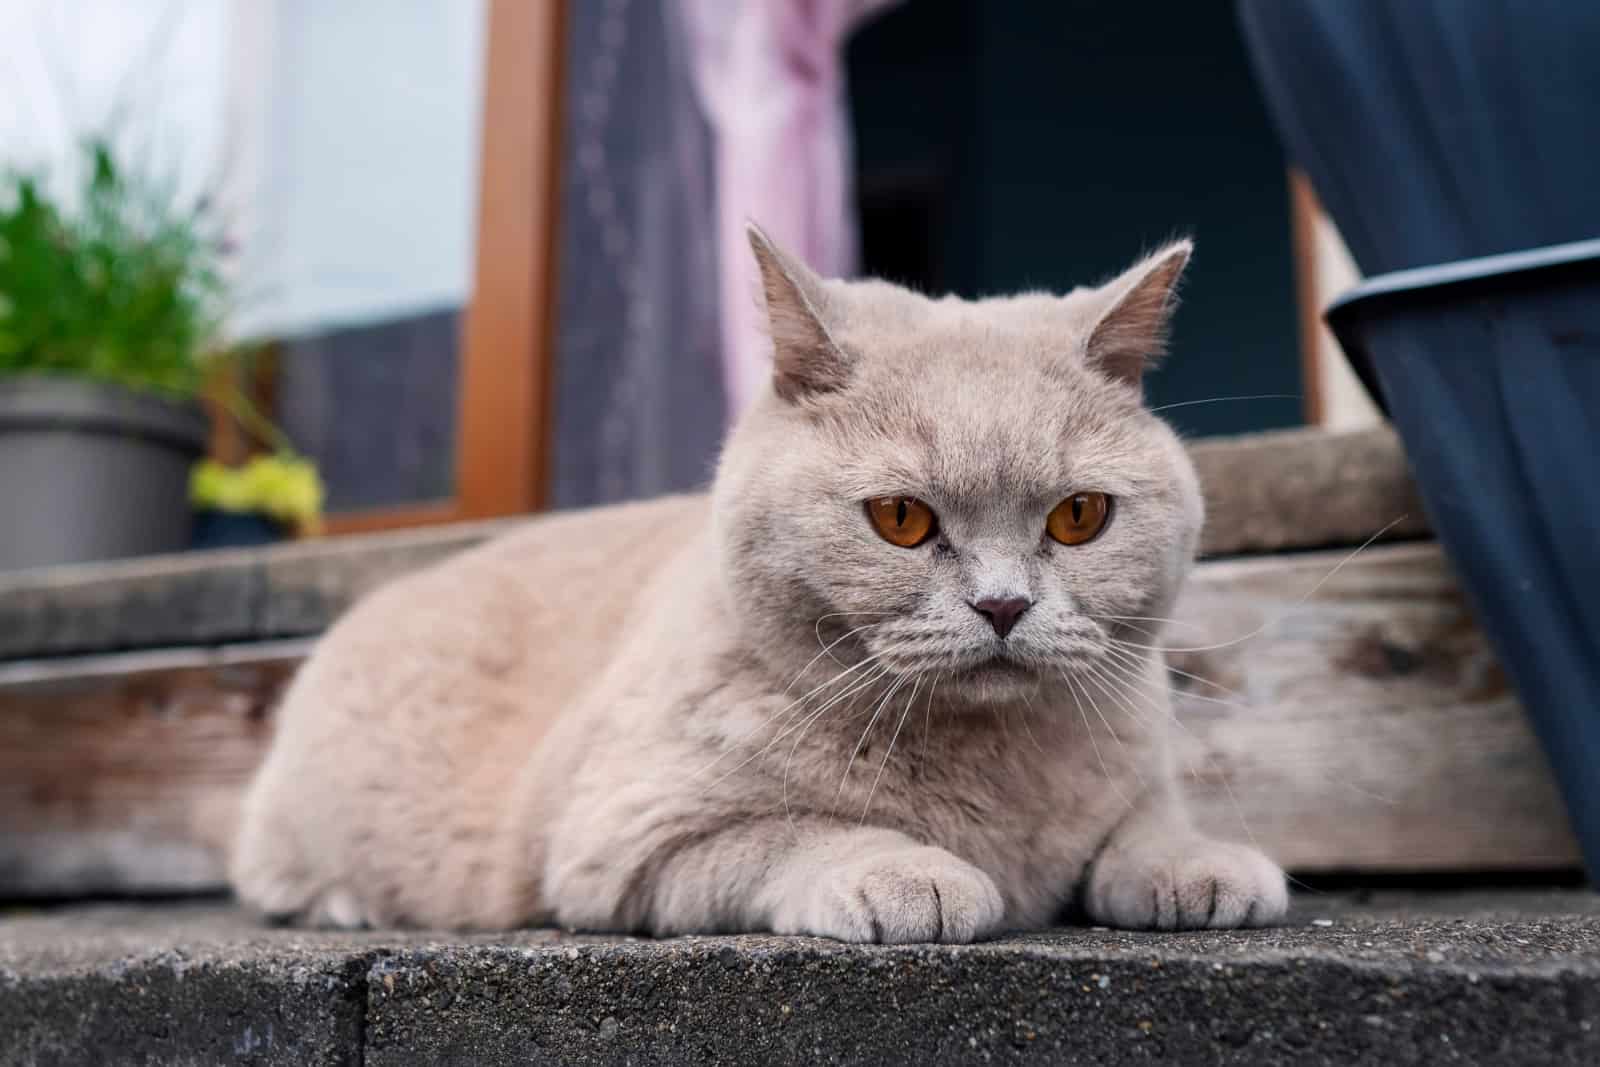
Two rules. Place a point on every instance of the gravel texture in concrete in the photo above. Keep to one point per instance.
(1383, 978)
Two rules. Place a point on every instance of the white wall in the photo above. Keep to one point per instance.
(366, 168)
(151, 70)
(342, 136)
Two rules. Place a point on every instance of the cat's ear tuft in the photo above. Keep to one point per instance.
(805, 359)
(1136, 314)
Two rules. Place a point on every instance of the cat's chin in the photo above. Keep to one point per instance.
(993, 681)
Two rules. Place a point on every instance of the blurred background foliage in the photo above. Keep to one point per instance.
(121, 283)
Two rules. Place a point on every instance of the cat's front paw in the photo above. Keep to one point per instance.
(1191, 884)
(914, 894)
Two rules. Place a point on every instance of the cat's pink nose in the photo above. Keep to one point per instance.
(1002, 614)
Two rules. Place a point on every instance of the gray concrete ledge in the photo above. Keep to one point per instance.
(1484, 978)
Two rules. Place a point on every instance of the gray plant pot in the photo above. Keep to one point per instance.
(91, 471)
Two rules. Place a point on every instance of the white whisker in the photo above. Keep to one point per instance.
(1220, 399)
(1227, 785)
(1326, 578)
(780, 713)
(1112, 782)
(826, 650)
(1094, 675)
(1109, 690)
(1128, 658)
(1242, 706)
(889, 751)
(1027, 728)
(877, 711)
(1146, 618)
(800, 736)
(870, 677)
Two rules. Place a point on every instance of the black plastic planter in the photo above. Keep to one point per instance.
(1490, 369)
(91, 471)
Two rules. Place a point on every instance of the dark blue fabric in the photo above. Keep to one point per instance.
(1438, 130)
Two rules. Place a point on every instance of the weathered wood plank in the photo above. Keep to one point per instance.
(1368, 728)
(1266, 492)
(216, 597)
(1301, 489)
(119, 773)
(1373, 728)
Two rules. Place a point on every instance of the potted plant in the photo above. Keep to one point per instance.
(109, 306)
(268, 498)
(1444, 140)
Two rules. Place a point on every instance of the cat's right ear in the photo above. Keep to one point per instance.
(805, 359)
(1136, 314)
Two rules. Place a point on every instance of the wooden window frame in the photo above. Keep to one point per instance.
(1334, 396)
(1303, 212)
(503, 420)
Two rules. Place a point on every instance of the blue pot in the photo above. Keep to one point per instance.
(232, 529)
(1490, 369)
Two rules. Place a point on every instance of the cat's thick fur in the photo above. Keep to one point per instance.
(753, 712)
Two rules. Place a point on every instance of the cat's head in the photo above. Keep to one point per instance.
(967, 490)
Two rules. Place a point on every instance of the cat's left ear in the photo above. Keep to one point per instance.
(1136, 314)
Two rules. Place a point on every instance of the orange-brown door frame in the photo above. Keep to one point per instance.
(504, 416)
(1303, 212)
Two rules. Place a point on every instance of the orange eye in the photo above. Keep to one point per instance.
(902, 520)
(1079, 518)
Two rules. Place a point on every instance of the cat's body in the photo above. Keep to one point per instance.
(753, 712)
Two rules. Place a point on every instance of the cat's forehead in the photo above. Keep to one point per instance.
(970, 355)
(862, 307)
(976, 419)
(982, 399)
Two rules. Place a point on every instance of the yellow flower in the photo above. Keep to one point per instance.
(285, 487)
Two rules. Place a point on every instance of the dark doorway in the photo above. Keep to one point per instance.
(1046, 143)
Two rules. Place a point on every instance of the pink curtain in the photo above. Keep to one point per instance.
(770, 76)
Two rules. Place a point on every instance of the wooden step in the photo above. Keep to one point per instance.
(1352, 717)
(1349, 719)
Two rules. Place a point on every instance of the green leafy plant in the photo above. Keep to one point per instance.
(124, 285)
